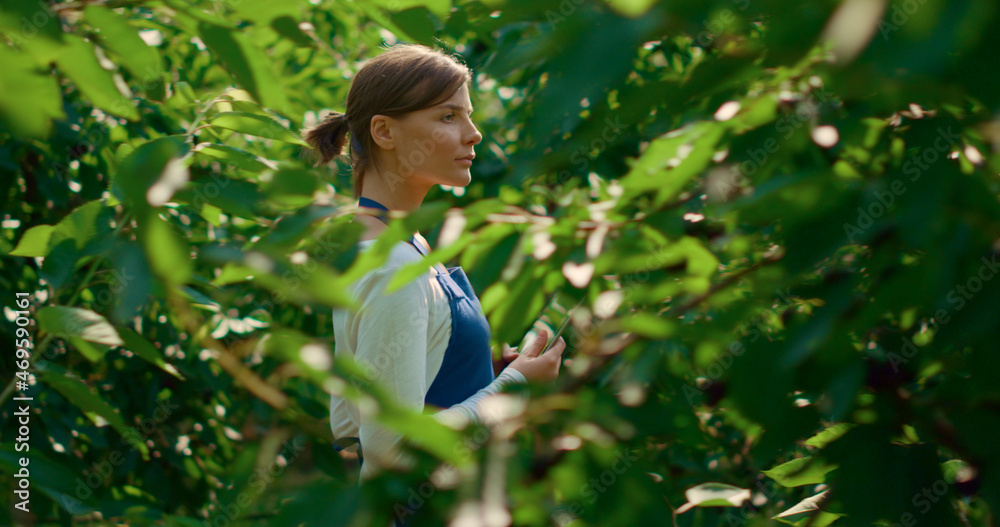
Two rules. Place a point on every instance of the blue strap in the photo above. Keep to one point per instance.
(346, 442)
(372, 204)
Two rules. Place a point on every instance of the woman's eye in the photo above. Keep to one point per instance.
(449, 117)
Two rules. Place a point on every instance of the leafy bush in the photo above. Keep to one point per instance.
(781, 219)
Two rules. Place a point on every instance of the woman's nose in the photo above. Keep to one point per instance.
(475, 137)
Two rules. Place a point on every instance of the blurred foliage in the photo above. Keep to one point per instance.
(781, 217)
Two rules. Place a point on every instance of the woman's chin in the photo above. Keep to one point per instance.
(452, 178)
(460, 180)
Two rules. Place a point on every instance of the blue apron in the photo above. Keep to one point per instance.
(467, 366)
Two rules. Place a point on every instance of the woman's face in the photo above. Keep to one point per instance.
(436, 144)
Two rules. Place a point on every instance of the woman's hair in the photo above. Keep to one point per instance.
(403, 79)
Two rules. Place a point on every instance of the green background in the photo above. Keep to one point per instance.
(782, 219)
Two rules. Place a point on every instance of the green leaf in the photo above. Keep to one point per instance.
(802, 512)
(34, 243)
(256, 125)
(93, 406)
(829, 435)
(145, 350)
(196, 13)
(181, 521)
(263, 11)
(79, 63)
(631, 8)
(801, 471)
(92, 352)
(249, 65)
(823, 519)
(520, 308)
(292, 181)
(290, 187)
(60, 263)
(141, 60)
(648, 325)
(426, 432)
(713, 495)
(86, 224)
(440, 8)
(233, 156)
(168, 254)
(290, 230)
(673, 159)
(32, 98)
(53, 477)
(418, 24)
(131, 281)
(319, 284)
(233, 196)
(337, 501)
(32, 28)
(144, 167)
(211, 214)
(199, 299)
(288, 27)
(700, 262)
(233, 273)
(757, 112)
(64, 322)
(955, 467)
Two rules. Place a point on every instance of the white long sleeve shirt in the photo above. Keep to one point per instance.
(401, 338)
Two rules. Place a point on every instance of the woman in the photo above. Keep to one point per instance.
(408, 115)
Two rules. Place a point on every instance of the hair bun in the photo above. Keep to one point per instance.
(328, 137)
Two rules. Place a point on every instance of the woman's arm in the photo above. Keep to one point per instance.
(470, 410)
(392, 347)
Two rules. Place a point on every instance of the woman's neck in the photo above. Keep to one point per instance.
(394, 192)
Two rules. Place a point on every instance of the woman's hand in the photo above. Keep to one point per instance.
(508, 356)
(537, 366)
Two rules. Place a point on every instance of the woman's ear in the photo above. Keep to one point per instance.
(382, 128)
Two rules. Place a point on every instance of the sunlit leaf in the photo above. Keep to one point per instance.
(807, 508)
(64, 321)
(713, 495)
(232, 156)
(246, 63)
(829, 435)
(142, 61)
(169, 256)
(255, 125)
(801, 471)
(34, 242)
(80, 64)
